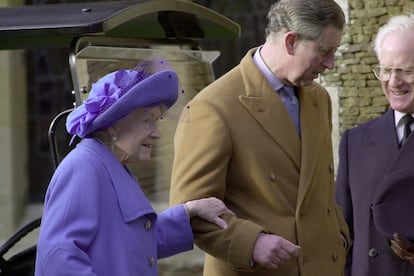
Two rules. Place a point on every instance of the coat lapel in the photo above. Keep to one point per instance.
(265, 105)
(311, 121)
(381, 139)
(382, 136)
(132, 201)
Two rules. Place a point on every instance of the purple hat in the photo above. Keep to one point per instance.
(118, 93)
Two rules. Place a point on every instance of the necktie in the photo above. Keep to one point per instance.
(292, 105)
(406, 120)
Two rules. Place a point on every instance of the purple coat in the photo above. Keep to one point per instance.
(366, 155)
(97, 220)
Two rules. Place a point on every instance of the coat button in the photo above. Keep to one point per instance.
(373, 252)
(272, 177)
(302, 260)
(334, 257)
(151, 261)
(331, 168)
(148, 225)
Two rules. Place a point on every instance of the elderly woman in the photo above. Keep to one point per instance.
(96, 219)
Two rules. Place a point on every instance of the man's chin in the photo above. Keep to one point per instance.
(305, 82)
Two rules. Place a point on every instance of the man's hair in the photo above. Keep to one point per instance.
(306, 17)
(404, 23)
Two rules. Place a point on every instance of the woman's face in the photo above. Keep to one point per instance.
(137, 133)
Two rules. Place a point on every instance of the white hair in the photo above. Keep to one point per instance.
(398, 23)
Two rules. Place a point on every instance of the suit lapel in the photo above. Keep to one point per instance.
(387, 141)
(382, 136)
(378, 140)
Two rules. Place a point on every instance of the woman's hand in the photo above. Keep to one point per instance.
(209, 209)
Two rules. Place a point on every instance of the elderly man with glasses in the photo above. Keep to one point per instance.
(375, 181)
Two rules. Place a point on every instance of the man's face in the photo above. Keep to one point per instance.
(313, 57)
(396, 60)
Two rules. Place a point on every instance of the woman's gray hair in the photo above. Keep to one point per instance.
(306, 17)
(398, 23)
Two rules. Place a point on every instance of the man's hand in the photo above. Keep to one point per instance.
(403, 248)
(271, 251)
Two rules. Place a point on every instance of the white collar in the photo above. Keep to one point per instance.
(397, 117)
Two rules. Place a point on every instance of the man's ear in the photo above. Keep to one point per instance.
(290, 42)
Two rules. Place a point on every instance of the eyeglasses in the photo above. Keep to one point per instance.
(383, 73)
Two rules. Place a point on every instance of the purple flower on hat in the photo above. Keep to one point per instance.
(104, 98)
(103, 95)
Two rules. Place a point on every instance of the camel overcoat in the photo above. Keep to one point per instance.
(239, 144)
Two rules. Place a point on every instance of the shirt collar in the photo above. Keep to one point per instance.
(397, 117)
(271, 78)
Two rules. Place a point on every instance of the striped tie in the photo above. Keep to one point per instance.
(406, 120)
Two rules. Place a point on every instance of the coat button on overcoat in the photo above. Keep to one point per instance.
(373, 252)
(148, 225)
(151, 261)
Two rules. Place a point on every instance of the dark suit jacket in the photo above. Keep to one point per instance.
(366, 154)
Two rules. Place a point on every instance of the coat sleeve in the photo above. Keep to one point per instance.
(69, 221)
(343, 194)
(174, 234)
(201, 160)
